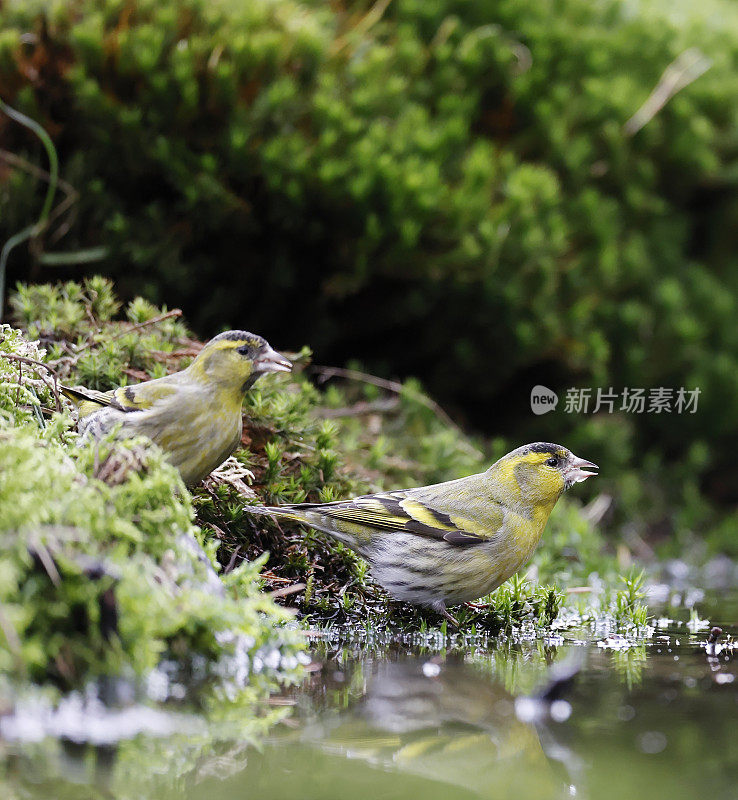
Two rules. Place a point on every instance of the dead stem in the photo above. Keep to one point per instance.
(175, 312)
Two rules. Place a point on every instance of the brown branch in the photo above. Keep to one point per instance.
(361, 408)
(175, 312)
(232, 562)
(326, 373)
(72, 195)
(20, 163)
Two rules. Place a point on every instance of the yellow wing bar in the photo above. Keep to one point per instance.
(80, 396)
(391, 512)
(137, 397)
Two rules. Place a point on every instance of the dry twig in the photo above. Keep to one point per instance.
(287, 590)
(175, 312)
(685, 69)
(326, 373)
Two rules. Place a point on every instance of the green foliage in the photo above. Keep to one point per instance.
(105, 352)
(300, 442)
(518, 601)
(628, 605)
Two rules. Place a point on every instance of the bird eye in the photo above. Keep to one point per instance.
(553, 461)
(244, 350)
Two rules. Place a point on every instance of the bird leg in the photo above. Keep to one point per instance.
(478, 606)
(440, 608)
(451, 619)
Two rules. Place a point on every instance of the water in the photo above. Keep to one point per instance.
(621, 719)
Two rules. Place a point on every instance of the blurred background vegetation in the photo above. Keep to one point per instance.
(487, 195)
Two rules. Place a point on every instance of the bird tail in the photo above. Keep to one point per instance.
(307, 515)
(87, 400)
(284, 512)
(73, 394)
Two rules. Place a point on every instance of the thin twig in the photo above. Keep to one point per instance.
(685, 69)
(175, 312)
(232, 562)
(270, 577)
(287, 590)
(72, 195)
(371, 18)
(48, 562)
(52, 386)
(326, 373)
(32, 169)
(39, 226)
(361, 408)
(68, 204)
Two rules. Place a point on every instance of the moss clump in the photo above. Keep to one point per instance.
(87, 345)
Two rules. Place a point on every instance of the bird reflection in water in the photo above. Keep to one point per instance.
(447, 721)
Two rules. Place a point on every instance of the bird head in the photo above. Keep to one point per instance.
(235, 359)
(539, 473)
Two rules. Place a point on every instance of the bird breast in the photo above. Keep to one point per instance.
(196, 431)
(205, 435)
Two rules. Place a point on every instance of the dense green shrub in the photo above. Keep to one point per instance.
(447, 189)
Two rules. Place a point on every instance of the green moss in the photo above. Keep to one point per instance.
(628, 605)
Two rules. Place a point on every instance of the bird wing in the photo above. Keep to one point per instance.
(400, 511)
(143, 396)
(126, 398)
(90, 400)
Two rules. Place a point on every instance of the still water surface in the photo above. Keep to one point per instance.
(582, 714)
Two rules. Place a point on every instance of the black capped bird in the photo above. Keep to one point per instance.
(194, 415)
(451, 542)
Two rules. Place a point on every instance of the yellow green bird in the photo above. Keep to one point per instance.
(452, 542)
(193, 415)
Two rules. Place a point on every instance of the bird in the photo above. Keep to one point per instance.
(193, 415)
(452, 542)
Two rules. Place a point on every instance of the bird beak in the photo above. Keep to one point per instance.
(270, 360)
(578, 470)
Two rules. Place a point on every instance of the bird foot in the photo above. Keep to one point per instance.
(440, 608)
(451, 619)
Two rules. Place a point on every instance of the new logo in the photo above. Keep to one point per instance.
(542, 400)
